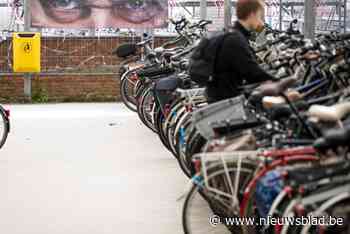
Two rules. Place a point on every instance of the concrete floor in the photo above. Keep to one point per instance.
(86, 169)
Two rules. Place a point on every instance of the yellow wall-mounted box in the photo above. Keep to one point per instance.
(26, 52)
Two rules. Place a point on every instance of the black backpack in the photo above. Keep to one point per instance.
(203, 59)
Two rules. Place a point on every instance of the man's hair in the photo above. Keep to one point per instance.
(245, 8)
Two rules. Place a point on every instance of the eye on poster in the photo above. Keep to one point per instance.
(80, 14)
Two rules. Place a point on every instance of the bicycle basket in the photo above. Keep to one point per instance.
(228, 111)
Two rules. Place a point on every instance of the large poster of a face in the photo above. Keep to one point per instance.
(99, 13)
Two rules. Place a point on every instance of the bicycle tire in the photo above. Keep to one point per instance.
(170, 120)
(181, 159)
(130, 102)
(158, 123)
(146, 93)
(203, 204)
(214, 171)
(171, 131)
(5, 126)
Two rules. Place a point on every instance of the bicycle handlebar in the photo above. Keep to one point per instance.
(177, 22)
(201, 24)
(145, 42)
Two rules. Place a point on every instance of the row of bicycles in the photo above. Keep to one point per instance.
(277, 151)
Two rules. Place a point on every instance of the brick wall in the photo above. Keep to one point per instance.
(58, 84)
(11, 89)
(62, 88)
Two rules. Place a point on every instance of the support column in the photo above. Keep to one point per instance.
(281, 14)
(227, 14)
(203, 9)
(27, 77)
(309, 19)
(345, 8)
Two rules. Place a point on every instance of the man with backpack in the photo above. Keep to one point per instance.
(234, 61)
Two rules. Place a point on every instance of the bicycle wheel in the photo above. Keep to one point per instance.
(158, 122)
(195, 145)
(196, 214)
(4, 128)
(145, 108)
(200, 207)
(171, 119)
(127, 88)
(178, 144)
(170, 132)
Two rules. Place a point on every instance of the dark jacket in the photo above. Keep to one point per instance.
(236, 65)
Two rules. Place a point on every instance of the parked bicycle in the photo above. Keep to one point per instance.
(278, 149)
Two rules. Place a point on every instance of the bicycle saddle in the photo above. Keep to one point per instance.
(330, 114)
(334, 138)
(269, 102)
(274, 89)
(125, 50)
